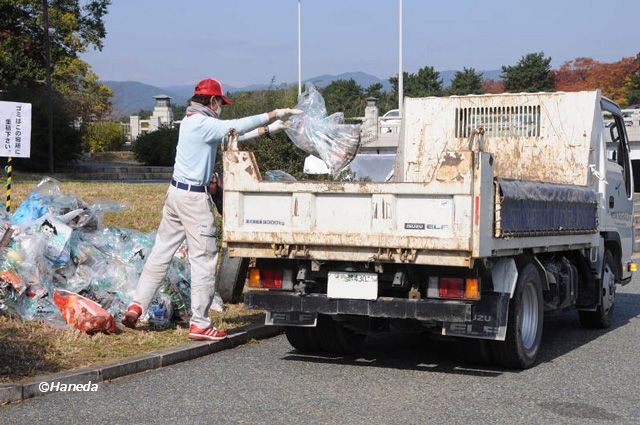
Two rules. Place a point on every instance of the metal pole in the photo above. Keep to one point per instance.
(299, 49)
(400, 72)
(47, 48)
(9, 181)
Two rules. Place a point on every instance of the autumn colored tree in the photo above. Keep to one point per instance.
(492, 86)
(633, 85)
(615, 80)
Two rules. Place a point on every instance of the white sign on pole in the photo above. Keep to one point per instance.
(15, 126)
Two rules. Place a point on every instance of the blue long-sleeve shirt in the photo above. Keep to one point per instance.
(198, 142)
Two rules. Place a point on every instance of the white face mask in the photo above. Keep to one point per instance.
(218, 108)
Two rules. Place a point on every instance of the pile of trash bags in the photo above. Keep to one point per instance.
(62, 266)
(326, 137)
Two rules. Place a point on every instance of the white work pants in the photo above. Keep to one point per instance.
(185, 215)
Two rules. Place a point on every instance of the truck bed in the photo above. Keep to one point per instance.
(449, 221)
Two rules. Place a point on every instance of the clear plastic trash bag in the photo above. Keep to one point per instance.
(278, 176)
(326, 137)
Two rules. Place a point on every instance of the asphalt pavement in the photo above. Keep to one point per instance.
(583, 377)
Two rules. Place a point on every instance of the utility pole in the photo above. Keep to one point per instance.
(47, 48)
(299, 49)
(400, 72)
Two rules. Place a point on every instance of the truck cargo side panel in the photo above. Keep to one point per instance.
(527, 208)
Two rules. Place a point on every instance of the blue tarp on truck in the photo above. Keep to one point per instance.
(527, 208)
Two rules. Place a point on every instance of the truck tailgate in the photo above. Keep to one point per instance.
(360, 221)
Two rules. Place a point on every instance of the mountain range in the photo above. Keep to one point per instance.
(132, 96)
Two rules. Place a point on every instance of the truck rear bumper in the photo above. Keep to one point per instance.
(398, 308)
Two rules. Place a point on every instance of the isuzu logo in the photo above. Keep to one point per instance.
(414, 226)
(423, 226)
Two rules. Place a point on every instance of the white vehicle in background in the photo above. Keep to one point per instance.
(390, 121)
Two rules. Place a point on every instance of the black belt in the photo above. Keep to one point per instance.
(188, 187)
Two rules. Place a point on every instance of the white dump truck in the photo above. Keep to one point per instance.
(501, 209)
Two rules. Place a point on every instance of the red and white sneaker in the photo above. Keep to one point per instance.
(208, 334)
(131, 316)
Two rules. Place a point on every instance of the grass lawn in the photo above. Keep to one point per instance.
(33, 348)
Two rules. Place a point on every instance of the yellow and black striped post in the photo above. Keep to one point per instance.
(9, 170)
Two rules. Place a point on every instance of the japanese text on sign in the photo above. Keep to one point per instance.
(16, 129)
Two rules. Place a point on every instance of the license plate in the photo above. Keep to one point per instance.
(351, 285)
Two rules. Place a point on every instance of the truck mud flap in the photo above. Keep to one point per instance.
(488, 319)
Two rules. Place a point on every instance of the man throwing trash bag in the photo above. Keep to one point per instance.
(188, 208)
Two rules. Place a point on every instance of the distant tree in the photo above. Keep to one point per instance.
(256, 102)
(143, 114)
(157, 147)
(75, 26)
(532, 73)
(279, 153)
(613, 79)
(575, 75)
(344, 96)
(633, 84)
(179, 111)
(385, 99)
(492, 86)
(394, 83)
(467, 81)
(374, 90)
(425, 82)
(103, 136)
(67, 145)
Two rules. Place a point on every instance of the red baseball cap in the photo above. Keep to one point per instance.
(211, 87)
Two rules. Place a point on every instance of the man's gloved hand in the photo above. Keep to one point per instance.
(277, 126)
(283, 114)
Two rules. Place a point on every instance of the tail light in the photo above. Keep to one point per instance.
(270, 279)
(471, 289)
(454, 288)
(254, 278)
(451, 287)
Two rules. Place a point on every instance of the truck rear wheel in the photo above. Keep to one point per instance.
(601, 318)
(524, 328)
(231, 277)
(302, 339)
(335, 338)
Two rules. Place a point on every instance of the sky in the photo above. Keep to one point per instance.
(242, 42)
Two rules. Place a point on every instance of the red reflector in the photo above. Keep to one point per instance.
(451, 287)
(271, 279)
(477, 210)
